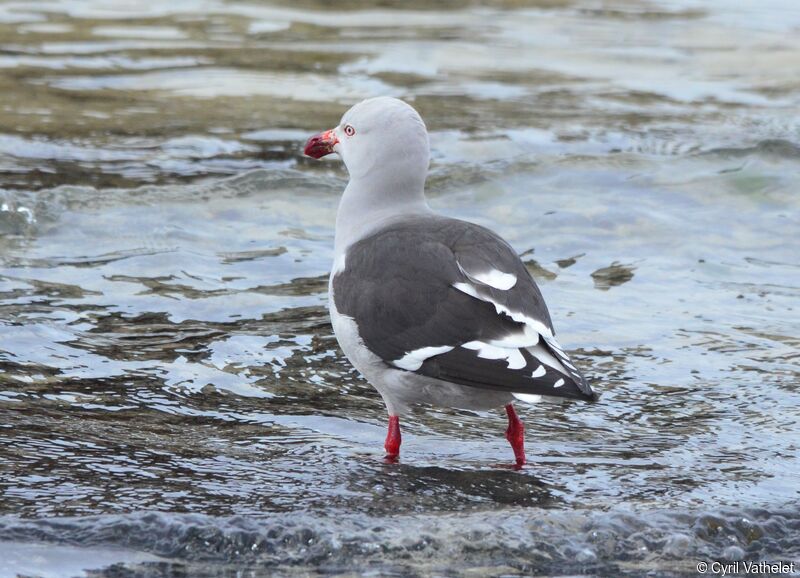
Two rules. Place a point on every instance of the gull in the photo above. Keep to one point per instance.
(431, 309)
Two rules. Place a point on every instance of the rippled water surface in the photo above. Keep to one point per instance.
(172, 400)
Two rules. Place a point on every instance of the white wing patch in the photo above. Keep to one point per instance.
(533, 328)
(413, 360)
(493, 278)
(535, 337)
(530, 338)
(516, 340)
(497, 279)
(512, 356)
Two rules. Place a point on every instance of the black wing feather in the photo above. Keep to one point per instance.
(463, 367)
(398, 286)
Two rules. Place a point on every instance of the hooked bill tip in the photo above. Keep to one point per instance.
(320, 144)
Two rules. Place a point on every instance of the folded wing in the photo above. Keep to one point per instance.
(451, 300)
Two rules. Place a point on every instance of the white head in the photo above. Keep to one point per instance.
(380, 139)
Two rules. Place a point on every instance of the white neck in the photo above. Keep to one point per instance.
(372, 200)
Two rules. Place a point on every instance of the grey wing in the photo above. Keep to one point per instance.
(451, 300)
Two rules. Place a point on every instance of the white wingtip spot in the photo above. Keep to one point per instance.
(413, 360)
(559, 383)
(539, 372)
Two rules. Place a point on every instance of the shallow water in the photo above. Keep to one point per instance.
(172, 401)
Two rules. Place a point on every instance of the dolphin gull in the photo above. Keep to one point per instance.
(431, 309)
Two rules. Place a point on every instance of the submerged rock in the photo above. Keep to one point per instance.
(613, 275)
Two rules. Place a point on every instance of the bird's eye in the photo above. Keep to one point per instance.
(349, 130)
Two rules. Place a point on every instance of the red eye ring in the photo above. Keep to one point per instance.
(349, 130)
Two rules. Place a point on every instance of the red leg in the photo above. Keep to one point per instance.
(392, 444)
(515, 434)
